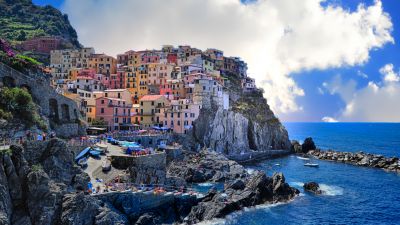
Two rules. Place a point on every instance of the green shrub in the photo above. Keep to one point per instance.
(36, 167)
(29, 59)
(5, 115)
(19, 102)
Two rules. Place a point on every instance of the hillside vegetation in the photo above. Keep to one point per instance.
(21, 20)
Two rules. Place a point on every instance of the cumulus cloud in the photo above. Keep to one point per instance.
(377, 101)
(389, 74)
(275, 37)
(328, 119)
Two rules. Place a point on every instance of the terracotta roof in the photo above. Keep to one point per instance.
(150, 97)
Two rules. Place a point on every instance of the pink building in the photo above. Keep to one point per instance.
(180, 115)
(150, 57)
(195, 75)
(87, 73)
(104, 80)
(117, 81)
(116, 112)
(173, 89)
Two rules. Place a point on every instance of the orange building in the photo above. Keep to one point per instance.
(103, 64)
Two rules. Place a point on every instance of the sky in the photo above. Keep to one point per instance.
(332, 60)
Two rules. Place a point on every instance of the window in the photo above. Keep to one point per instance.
(102, 110)
(116, 120)
(179, 115)
(152, 103)
(179, 122)
(172, 115)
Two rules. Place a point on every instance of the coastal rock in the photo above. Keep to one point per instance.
(296, 147)
(206, 166)
(34, 179)
(79, 209)
(312, 187)
(260, 189)
(308, 145)
(359, 158)
(232, 132)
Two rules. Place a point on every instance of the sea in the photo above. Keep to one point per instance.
(352, 195)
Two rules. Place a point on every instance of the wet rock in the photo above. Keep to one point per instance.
(312, 187)
(260, 189)
(359, 159)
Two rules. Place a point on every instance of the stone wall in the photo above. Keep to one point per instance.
(58, 108)
(150, 169)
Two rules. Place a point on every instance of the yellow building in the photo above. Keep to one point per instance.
(150, 107)
(103, 64)
(136, 82)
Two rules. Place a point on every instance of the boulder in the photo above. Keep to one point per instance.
(296, 147)
(308, 145)
(259, 189)
(312, 187)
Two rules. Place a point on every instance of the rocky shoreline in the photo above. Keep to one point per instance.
(391, 164)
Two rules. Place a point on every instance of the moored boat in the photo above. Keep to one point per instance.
(106, 165)
(311, 165)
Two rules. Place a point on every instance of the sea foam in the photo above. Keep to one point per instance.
(331, 190)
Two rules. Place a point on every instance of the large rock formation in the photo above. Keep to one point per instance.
(34, 179)
(248, 125)
(206, 166)
(259, 189)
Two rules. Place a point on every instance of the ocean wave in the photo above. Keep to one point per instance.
(213, 222)
(331, 190)
(250, 171)
(296, 184)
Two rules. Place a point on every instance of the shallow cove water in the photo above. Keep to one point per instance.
(352, 195)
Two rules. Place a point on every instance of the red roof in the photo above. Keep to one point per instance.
(151, 97)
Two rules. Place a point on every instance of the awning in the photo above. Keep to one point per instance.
(96, 128)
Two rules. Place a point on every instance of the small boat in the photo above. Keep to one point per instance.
(106, 165)
(103, 147)
(277, 164)
(94, 153)
(303, 158)
(311, 165)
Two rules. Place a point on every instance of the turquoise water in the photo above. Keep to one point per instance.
(353, 195)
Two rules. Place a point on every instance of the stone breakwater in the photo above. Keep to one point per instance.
(360, 159)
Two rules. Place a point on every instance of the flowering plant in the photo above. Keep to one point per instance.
(5, 47)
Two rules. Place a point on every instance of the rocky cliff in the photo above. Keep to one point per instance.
(33, 181)
(248, 125)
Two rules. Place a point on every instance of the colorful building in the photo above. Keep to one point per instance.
(115, 112)
(180, 116)
(150, 108)
(103, 64)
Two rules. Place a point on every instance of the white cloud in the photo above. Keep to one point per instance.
(328, 119)
(362, 74)
(374, 102)
(389, 74)
(275, 37)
